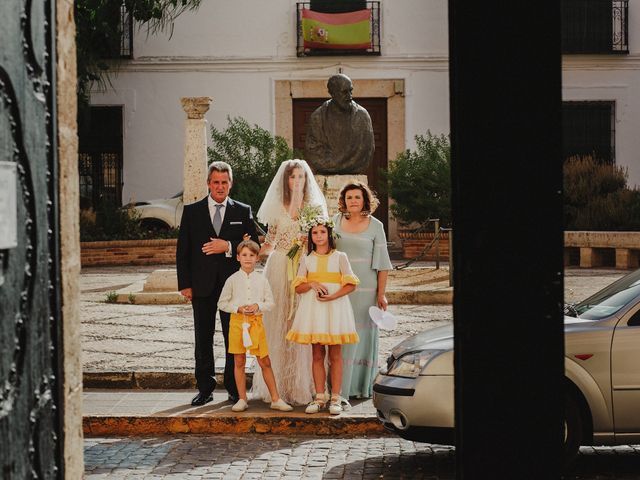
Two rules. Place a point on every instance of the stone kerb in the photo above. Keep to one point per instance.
(596, 249)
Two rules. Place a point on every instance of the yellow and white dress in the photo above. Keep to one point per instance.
(326, 323)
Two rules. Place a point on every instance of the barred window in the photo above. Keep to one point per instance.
(588, 128)
(594, 26)
(100, 157)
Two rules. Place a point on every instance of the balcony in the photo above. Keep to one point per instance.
(334, 31)
(595, 26)
(120, 45)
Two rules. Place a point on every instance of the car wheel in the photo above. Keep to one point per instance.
(573, 429)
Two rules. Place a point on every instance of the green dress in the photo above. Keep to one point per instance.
(368, 254)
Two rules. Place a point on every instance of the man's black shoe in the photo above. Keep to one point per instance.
(201, 399)
(233, 399)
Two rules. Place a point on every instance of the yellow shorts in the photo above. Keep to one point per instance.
(256, 332)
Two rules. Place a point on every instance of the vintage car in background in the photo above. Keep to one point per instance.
(159, 214)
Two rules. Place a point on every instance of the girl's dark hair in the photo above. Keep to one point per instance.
(286, 193)
(332, 243)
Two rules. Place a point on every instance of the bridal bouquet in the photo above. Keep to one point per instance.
(308, 217)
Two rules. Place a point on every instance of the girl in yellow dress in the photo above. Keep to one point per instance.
(324, 317)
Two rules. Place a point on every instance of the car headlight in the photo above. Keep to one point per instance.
(411, 364)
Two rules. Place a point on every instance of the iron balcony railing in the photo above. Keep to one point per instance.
(339, 7)
(595, 26)
(121, 46)
(126, 41)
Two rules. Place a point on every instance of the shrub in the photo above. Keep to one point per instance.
(420, 182)
(596, 196)
(254, 155)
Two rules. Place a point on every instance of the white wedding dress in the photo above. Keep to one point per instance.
(291, 362)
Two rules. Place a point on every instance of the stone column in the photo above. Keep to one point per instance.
(69, 286)
(195, 148)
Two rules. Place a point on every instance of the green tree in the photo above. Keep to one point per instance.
(99, 33)
(254, 155)
(419, 182)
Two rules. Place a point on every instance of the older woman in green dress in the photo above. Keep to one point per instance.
(362, 238)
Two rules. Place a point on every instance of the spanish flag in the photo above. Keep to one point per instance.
(344, 31)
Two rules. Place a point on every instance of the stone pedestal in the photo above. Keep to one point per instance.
(162, 280)
(195, 148)
(331, 186)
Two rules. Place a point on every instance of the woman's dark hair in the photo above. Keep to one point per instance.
(286, 193)
(371, 202)
(332, 243)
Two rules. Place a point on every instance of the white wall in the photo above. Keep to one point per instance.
(613, 78)
(620, 83)
(259, 28)
(234, 51)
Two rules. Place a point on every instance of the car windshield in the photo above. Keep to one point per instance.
(609, 300)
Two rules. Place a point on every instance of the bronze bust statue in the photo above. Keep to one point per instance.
(340, 135)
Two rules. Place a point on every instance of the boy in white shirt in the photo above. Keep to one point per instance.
(246, 294)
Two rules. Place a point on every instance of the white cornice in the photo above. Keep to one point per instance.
(438, 63)
(601, 62)
(278, 64)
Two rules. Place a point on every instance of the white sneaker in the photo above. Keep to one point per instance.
(281, 405)
(240, 406)
(314, 407)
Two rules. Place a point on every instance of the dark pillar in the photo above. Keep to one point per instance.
(507, 218)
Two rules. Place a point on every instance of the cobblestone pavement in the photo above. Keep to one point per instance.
(120, 337)
(269, 457)
(277, 457)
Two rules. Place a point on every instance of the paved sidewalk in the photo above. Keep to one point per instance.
(134, 412)
(143, 339)
(159, 338)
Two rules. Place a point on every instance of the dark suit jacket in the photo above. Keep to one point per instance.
(202, 272)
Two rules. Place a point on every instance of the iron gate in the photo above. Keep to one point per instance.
(30, 330)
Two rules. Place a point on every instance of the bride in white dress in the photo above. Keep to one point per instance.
(292, 187)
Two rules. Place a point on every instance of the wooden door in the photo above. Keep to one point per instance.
(377, 108)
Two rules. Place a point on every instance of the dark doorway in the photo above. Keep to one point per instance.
(377, 108)
(100, 157)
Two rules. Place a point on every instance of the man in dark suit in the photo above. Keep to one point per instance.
(210, 231)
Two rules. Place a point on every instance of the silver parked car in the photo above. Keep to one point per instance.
(414, 395)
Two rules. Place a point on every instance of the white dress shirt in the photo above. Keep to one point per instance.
(244, 288)
(212, 208)
(212, 211)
